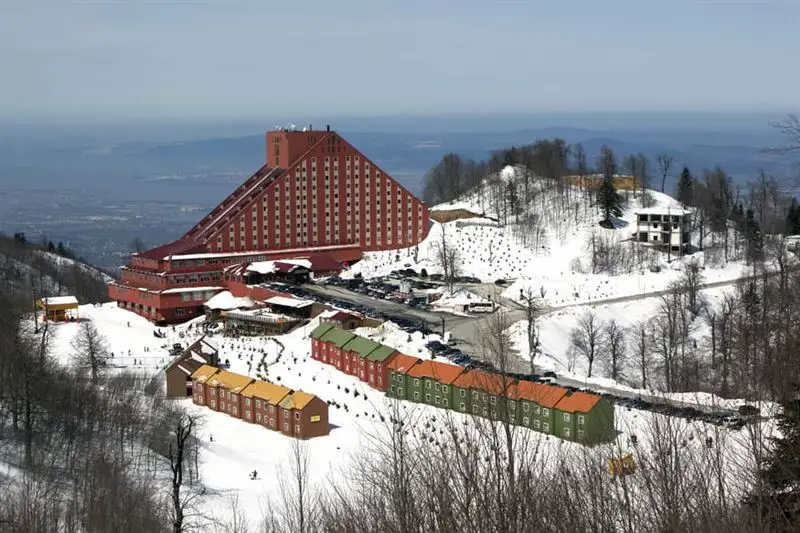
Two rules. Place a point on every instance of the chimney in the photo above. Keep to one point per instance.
(328, 127)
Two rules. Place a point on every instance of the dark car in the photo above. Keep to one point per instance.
(500, 282)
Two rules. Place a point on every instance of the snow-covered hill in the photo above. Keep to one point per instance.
(232, 448)
(28, 271)
(546, 245)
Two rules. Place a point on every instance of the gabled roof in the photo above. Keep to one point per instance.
(202, 374)
(320, 331)
(321, 262)
(363, 347)
(381, 354)
(580, 402)
(269, 392)
(297, 400)
(402, 363)
(338, 337)
(230, 380)
(441, 372)
(484, 381)
(551, 395)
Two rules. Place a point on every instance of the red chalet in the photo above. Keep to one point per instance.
(316, 198)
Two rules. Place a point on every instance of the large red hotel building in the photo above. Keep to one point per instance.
(316, 196)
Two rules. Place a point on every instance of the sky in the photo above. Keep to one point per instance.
(224, 60)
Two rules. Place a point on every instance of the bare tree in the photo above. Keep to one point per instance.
(641, 344)
(690, 283)
(297, 505)
(664, 161)
(615, 349)
(449, 259)
(91, 349)
(585, 337)
(790, 128)
(533, 305)
(183, 429)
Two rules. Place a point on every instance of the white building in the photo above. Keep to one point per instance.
(664, 227)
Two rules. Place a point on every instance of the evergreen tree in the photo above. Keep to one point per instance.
(50, 247)
(686, 187)
(780, 475)
(610, 201)
(752, 233)
(793, 218)
(61, 250)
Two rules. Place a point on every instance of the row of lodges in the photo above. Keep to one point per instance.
(364, 358)
(572, 415)
(294, 413)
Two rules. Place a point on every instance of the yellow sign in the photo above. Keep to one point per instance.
(315, 418)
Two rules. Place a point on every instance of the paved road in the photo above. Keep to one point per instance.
(468, 332)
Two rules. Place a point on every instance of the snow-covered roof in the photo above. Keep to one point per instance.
(289, 302)
(663, 211)
(60, 300)
(269, 267)
(190, 289)
(299, 251)
(226, 300)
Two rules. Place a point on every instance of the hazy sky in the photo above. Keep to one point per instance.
(229, 59)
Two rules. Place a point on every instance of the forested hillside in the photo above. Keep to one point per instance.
(30, 271)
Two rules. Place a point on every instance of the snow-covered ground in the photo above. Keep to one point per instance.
(238, 448)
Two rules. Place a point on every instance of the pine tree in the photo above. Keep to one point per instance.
(686, 187)
(780, 503)
(610, 201)
(60, 248)
(753, 235)
(793, 218)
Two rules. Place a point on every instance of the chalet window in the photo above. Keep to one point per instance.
(445, 402)
(581, 434)
(526, 407)
(567, 418)
(400, 391)
(416, 382)
(566, 432)
(258, 404)
(297, 416)
(462, 393)
(444, 389)
(436, 386)
(513, 405)
(545, 412)
(462, 406)
(286, 426)
(546, 427)
(199, 386)
(235, 410)
(247, 414)
(247, 402)
(213, 403)
(286, 413)
(258, 416)
(416, 396)
(474, 395)
(391, 389)
(493, 400)
(428, 384)
(581, 420)
(536, 424)
(427, 397)
(296, 430)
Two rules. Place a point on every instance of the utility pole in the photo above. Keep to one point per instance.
(442, 317)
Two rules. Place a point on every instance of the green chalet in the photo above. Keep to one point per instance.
(318, 346)
(432, 382)
(586, 418)
(400, 384)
